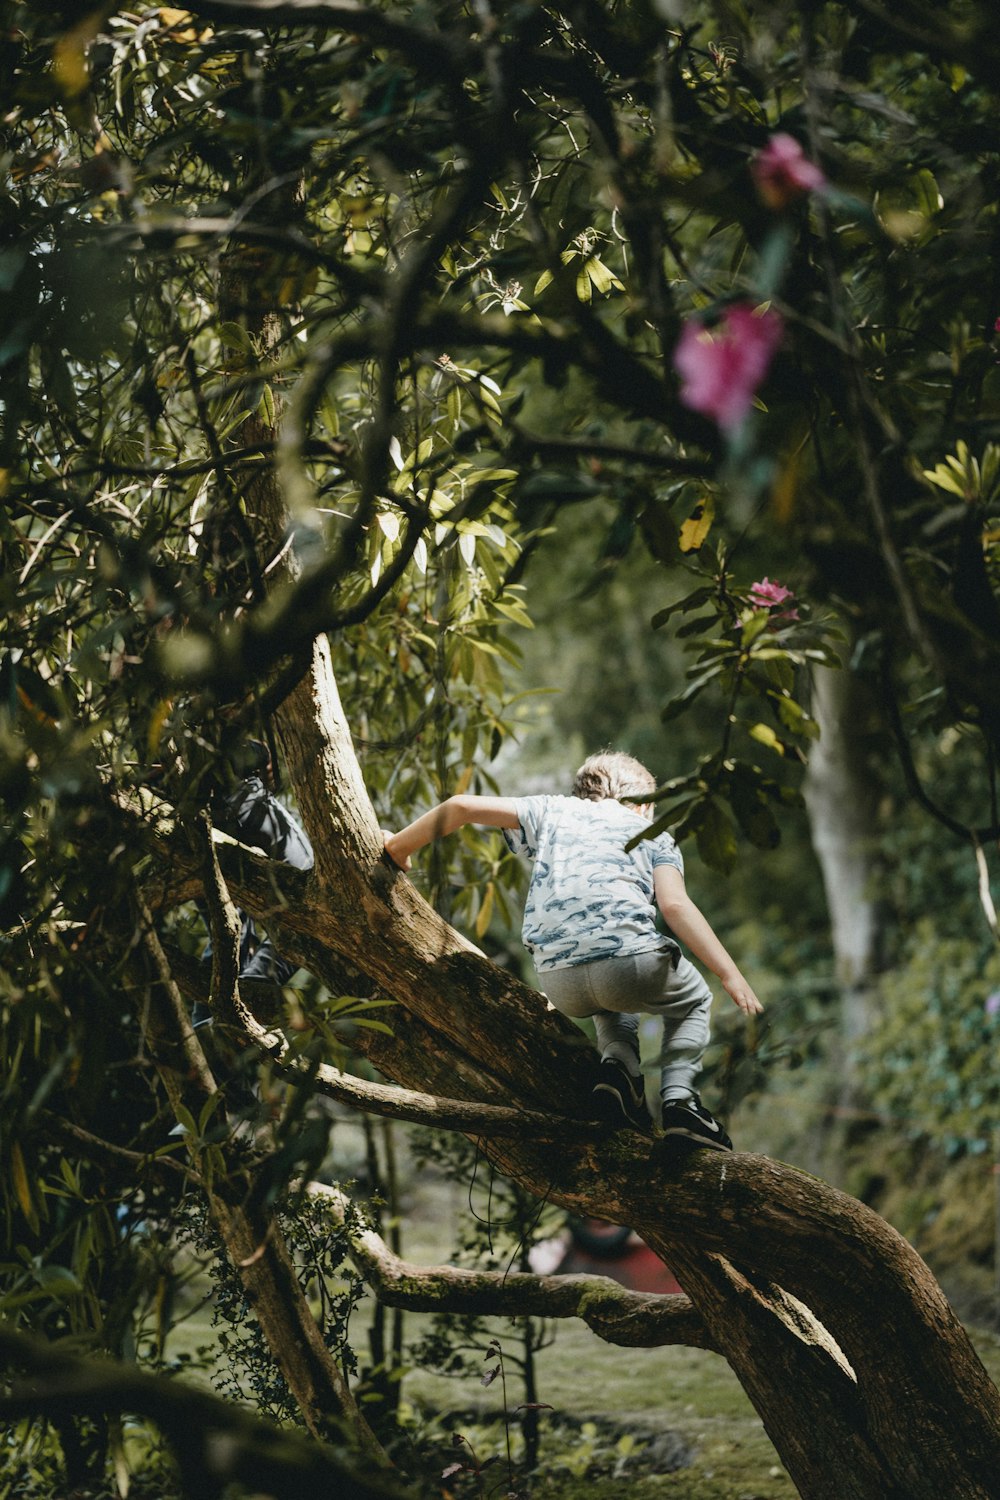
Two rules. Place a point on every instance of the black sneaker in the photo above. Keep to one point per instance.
(619, 1098)
(688, 1118)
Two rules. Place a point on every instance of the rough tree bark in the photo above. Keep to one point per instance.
(634, 1320)
(864, 1378)
(247, 1228)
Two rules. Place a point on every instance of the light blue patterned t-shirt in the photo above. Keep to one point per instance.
(587, 898)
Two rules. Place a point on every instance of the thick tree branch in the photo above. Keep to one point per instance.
(215, 1442)
(442, 53)
(136, 1166)
(248, 1230)
(638, 1320)
(474, 1119)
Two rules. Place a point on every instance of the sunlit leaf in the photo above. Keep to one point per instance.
(765, 735)
(22, 1186)
(388, 521)
(695, 529)
(485, 911)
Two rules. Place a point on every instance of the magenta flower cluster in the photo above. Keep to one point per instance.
(782, 172)
(768, 594)
(721, 367)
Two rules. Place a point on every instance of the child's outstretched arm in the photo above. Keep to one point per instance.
(688, 923)
(490, 812)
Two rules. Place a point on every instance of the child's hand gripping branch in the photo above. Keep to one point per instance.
(589, 923)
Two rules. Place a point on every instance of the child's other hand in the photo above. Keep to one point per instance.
(742, 995)
(388, 839)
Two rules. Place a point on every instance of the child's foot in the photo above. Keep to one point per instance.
(688, 1118)
(619, 1098)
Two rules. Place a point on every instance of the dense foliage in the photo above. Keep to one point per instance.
(722, 276)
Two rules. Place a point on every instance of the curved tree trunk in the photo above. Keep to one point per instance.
(865, 1380)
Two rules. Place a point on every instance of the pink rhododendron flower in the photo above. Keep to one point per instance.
(721, 367)
(992, 1003)
(765, 593)
(768, 595)
(783, 172)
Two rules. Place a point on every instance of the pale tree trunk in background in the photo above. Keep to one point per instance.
(842, 793)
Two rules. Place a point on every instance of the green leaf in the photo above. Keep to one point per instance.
(233, 423)
(927, 192)
(667, 820)
(750, 804)
(689, 602)
(207, 1110)
(773, 258)
(716, 837)
(945, 480)
(485, 910)
(795, 718)
(186, 1121)
(603, 278)
(683, 700)
(765, 735)
(58, 1281)
(388, 522)
(265, 409)
(23, 1190)
(235, 336)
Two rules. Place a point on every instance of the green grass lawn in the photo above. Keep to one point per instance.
(685, 1392)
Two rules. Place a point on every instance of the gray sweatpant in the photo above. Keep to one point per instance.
(613, 990)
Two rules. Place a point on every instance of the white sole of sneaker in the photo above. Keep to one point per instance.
(680, 1134)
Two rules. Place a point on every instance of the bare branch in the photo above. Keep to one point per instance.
(224, 927)
(211, 1439)
(643, 1320)
(434, 49)
(138, 1165)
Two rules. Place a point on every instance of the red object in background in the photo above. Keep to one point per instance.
(603, 1249)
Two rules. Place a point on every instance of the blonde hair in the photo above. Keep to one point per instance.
(612, 774)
